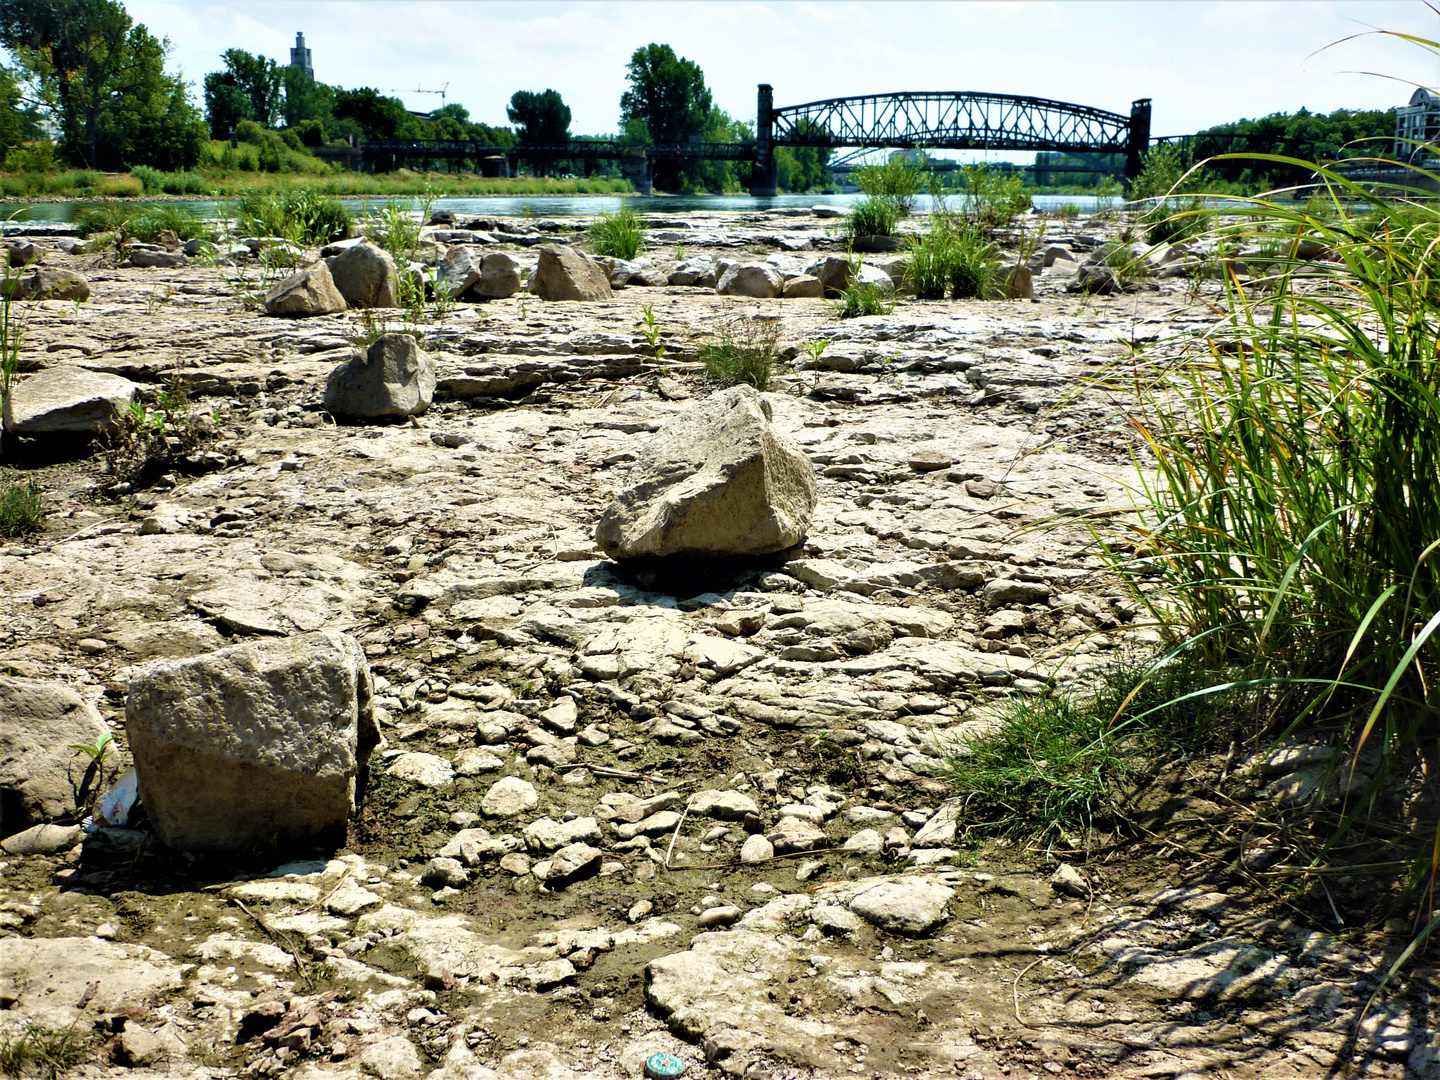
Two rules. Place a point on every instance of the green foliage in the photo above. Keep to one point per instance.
(50, 1053)
(149, 442)
(744, 351)
(897, 182)
(863, 298)
(649, 328)
(815, 349)
(667, 102)
(1310, 137)
(993, 199)
(955, 255)
(1169, 217)
(105, 78)
(803, 168)
(33, 157)
(395, 228)
(302, 215)
(12, 339)
(1063, 765)
(22, 508)
(250, 88)
(543, 118)
(874, 215)
(620, 235)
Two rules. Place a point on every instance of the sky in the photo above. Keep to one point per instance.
(1203, 62)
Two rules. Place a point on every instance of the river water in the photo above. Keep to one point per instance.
(573, 205)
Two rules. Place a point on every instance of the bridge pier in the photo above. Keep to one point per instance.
(635, 167)
(1138, 144)
(765, 176)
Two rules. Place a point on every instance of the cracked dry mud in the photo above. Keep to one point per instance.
(663, 716)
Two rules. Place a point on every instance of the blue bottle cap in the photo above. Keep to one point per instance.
(663, 1066)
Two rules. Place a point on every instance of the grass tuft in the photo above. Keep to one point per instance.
(620, 235)
(22, 508)
(745, 351)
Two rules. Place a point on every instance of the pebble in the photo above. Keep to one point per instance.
(756, 850)
(508, 797)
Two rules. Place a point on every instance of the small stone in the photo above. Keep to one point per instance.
(43, 840)
(834, 919)
(509, 797)
(923, 461)
(516, 864)
(573, 863)
(756, 850)
(910, 906)
(725, 805)
(864, 842)
(639, 910)
(427, 770)
(394, 1058)
(723, 915)
(91, 646)
(1069, 881)
(441, 872)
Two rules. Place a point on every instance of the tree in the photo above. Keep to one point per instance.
(374, 115)
(250, 88)
(306, 100)
(17, 122)
(543, 119)
(104, 77)
(669, 97)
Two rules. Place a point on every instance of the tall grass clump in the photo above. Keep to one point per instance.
(899, 181)
(993, 199)
(1171, 212)
(875, 215)
(952, 256)
(303, 215)
(619, 235)
(22, 507)
(743, 351)
(1289, 533)
(142, 222)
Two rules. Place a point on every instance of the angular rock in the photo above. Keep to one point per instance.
(42, 840)
(365, 276)
(796, 834)
(566, 274)
(48, 285)
(716, 481)
(725, 805)
(23, 253)
(310, 292)
(509, 797)
(1008, 591)
(394, 1058)
(910, 906)
(803, 287)
(865, 842)
(163, 260)
(68, 399)
(394, 378)
(253, 744)
(547, 834)
(39, 774)
(572, 863)
(443, 872)
(832, 271)
(427, 770)
(750, 279)
(499, 277)
(698, 270)
(459, 271)
(940, 829)
(1018, 283)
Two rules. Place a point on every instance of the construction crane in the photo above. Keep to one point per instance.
(443, 87)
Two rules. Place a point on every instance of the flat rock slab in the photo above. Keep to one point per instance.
(54, 979)
(910, 906)
(62, 400)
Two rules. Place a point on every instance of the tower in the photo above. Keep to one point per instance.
(300, 57)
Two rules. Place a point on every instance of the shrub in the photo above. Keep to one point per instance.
(898, 181)
(301, 215)
(619, 235)
(32, 157)
(152, 180)
(863, 298)
(22, 508)
(875, 215)
(993, 199)
(745, 351)
(975, 266)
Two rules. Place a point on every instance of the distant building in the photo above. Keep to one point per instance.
(1417, 123)
(300, 57)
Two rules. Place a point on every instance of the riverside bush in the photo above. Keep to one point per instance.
(875, 215)
(953, 256)
(745, 351)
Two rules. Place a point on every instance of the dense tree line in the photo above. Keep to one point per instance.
(1311, 137)
(102, 76)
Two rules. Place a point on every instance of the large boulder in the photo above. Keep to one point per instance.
(697, 270)
(365, 276)
(716, 481)
(833, 273)
(750, 279)
(566, 274)
(68, 399)
(40, 775)
(394, 378)
(46, 284)
(310, 292)
(256, 744)
(499, 277)
(459, 271)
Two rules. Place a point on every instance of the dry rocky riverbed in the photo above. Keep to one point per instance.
(755, 754)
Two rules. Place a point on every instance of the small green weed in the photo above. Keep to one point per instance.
(746, 351)
(649, 328)
(815, 349)
(50, 1053)
(863, 298)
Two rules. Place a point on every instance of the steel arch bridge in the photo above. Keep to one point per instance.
(950, 120)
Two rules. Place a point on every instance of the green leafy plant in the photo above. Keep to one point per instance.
(396, 229)
(863, 298)
(745, 351)
(620, 235)
(993, 199)
(148, 442)
(815, 349)
(649, 328)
